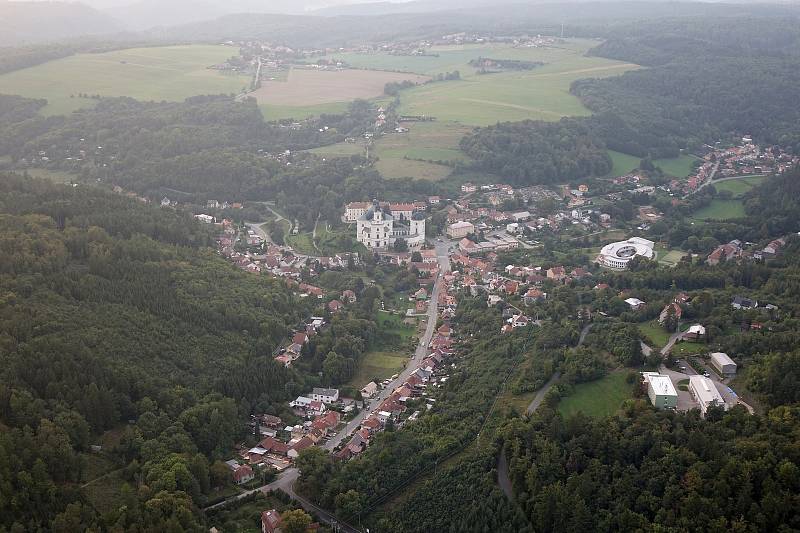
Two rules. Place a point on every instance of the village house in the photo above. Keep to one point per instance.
(270, 521)
(369, 390)
(325, 395)
(556, 273)
(534, 296)
(241, 474)
(676, 311)
(725, 252)
(349, 296)
(334, 306)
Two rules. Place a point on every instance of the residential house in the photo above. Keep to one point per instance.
(695, 332)
(334, 306)
(534, 296)
(556, 273)
(241, 473)
(635, 303)
(725, 252)
(325, 395)
(742, 302)
(369, 390)
(671, 308)
(349, 296)
(270, 521)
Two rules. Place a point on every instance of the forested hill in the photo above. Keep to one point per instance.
(709, 78)
(114, 315)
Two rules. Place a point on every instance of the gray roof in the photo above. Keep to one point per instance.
(325, 392)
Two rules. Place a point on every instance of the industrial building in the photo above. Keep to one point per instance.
(706, 393)
(723, 364)
(660, 390)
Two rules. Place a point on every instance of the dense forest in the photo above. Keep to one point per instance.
(537, 152)
(707, 79)
(116, 316)
(207, 147)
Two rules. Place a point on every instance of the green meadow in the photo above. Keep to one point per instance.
(160, 73)
(720, 210)
(679, 167)
(597, 398)
(740, 187)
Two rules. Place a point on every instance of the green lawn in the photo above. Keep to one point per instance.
(623, 163)
(740, 187)
(378, 365)
(280, 112)
(597, 398)
(342, 149)
(720, 210)
(655, 333)
(302, 243)
(679, 167)
(393, 323)
(158, 73)
(56, 176)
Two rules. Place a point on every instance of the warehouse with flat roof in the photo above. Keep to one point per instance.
(706, 393)
(723, 364)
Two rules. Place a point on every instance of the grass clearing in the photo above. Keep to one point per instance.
(105, 494)
(394, 168)
(655, 333)
(305, 87)
(342, 149)
(679, 167)
(378, 365)
(159, 73)
(56, 176)
(596, 399)
(740, 187)
(720, 210)
(622, 163)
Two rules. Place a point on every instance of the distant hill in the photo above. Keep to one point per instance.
(39, 22)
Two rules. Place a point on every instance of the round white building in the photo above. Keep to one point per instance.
(617, 255)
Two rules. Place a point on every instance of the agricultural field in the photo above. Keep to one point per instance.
(342, 149)
(306, 88)
(158, 73)
(720, 210)
(417, 152)
(597, 398)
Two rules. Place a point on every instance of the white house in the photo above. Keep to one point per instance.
(301, 402)
(325, 395)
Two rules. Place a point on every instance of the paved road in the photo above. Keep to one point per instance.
(285, 482)
(413, 363)
(675, 337)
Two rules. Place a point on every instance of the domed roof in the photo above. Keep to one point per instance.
(418, 215)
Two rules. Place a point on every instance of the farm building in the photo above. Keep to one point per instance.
(723, 364)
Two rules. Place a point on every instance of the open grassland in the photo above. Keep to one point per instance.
(378, 365)
(740, 187)
(418, 152)
(406, 168)
(654, 334)
(56, 176)
(623, 163)
(679, 167)
(306, 87)
(597, 398)
(281, 112)
(158, 73)
(342, 149)
(720, 210)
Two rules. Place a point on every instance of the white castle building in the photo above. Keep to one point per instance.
(379, 228)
